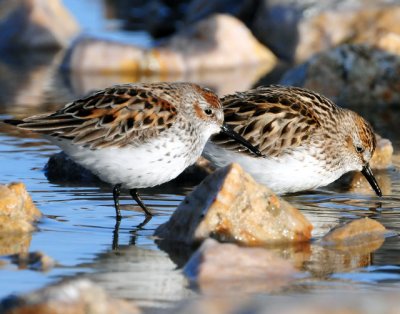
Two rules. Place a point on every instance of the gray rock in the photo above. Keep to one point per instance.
(36, 24)
(295, 30)
(351, 75)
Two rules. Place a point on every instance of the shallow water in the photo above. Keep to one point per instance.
(77, 229)
(78, 226)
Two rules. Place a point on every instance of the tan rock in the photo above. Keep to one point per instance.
(17, 211)
(356, 183)
(216, 43)
(382, 157)
(356, 232)
(346, 247)
(14, 243)
(217, 267)
(17, 215)
(37, 24)
(79, 296)
(231, 205)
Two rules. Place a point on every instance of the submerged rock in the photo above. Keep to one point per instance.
(17, 211)
(346, 247)
(230, 205)
(33, 260)
(215, 266)
(216, 43)
(351, 75)
(36, 24)
(78, 296)
(356, 232)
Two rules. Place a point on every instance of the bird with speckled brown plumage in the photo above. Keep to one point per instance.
(307, 141)
(135, 135)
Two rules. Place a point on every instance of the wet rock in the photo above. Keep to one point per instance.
(355, 182)
(227, 267)
(33, 260)
(295, 30)
(382, 157)
(346, 247)
(79, 296)
(17, 211)
(36, 24)
(14, 243)
(219, 42)
(356, 232)
(351, 75)
(230, 205)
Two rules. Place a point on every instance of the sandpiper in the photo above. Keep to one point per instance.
(135, 135)
(307, 141)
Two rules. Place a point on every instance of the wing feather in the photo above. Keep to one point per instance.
(274, 119)
(117, 116)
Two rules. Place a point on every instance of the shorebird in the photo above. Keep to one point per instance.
(135, 135)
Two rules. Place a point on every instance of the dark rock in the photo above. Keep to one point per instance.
(36, 25)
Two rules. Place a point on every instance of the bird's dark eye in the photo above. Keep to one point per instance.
(360, 149)
(208, 111)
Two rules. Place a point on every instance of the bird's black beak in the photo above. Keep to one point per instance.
(233, 135)
(366, 171)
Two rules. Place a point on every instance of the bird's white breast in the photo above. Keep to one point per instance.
(285, 174)
(146, 165)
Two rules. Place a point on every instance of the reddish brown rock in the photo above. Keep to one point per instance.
(217, 267)
(230, 205)
(79, 296)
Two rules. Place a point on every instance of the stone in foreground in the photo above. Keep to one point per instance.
(227, 266)
(230, 205)
(79, 296)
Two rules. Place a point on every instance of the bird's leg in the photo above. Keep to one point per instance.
(136, 197)
(116, 193)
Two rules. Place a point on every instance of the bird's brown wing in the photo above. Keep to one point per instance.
(274, 119)
(116, 116)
